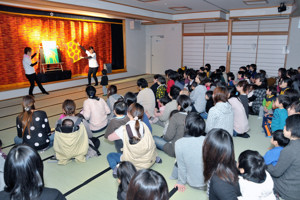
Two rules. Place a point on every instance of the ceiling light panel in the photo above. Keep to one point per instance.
(255, 2)
(181, 8)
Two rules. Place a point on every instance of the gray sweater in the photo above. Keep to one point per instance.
(220, 116)
(286, 173)
(188, 152)
(198, 98)
(174, 132)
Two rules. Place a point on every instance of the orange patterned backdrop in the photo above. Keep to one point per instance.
(17, 32)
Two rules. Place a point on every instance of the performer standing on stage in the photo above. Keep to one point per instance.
(30, 72)
(93, 64)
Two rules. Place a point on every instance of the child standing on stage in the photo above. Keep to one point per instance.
(104, 82)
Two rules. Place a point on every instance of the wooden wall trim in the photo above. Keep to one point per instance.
(229, 42)
(204, 34)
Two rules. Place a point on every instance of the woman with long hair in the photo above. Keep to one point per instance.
(23, 176)
(149, 185)
(220, 171)
(95, 110)
(33, 126)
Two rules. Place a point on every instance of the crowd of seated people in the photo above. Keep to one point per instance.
(200, 112)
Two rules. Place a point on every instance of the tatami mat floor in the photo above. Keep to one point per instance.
(65, 178)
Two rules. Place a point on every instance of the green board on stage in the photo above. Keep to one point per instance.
(50, 52)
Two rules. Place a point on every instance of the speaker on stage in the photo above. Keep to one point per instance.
(108, 67)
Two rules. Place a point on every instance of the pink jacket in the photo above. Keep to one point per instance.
(95, 111)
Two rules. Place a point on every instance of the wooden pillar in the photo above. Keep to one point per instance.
(229, 41)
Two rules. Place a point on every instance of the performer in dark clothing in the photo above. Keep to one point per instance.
(93, 64)
(30, 72)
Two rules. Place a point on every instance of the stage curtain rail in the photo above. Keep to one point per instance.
(19, 31)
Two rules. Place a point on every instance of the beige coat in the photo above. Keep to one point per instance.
(143, 154)
(71, 145)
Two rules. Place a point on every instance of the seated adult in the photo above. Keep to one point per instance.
(189, 166)
(33, 126)
(148, 184)
(198, 94)
(134, 134)
(286, 173)
(221, 115)
(175, 129)
(146, 97)
(172, 105)
(24, 176)
(95, 110)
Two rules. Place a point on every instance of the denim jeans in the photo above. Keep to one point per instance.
(118, 145)
(204, 115)
(113, 159)
(159, 142)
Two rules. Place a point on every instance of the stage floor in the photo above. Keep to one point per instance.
(65, 178)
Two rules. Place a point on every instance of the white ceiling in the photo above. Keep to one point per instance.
(195, 5)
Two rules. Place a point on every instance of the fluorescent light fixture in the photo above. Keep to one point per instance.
(182, 8)
(255, 2)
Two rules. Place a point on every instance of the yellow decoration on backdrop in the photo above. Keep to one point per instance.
(73, 51)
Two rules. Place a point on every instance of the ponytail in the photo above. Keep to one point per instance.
(136, 110)
(26, 116)
(137, 128)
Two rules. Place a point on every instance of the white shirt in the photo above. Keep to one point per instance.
(257, 191)
(26, 64)
(92, 61)
(120, 130)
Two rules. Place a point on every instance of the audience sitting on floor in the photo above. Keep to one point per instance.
(203, 150)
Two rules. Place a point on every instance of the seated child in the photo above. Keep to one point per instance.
(112, 97)
(241, 75)
(242, 88)
(255, 182)
(230, 77)
(267, 105)
(294, 108)
(162, 105)
(161, 89)
(277, 122)
(120, 119)
(194, 85)
(125, 172)
(285, 84)
(155, 84)
(279, 142)
(209, 103)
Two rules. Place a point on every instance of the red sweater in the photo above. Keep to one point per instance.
(169, 85)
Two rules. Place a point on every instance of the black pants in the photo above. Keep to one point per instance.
(32, 78)
(94, 72)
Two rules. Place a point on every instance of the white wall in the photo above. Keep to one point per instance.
(172, 45)
(293, 58)
(135, 58)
